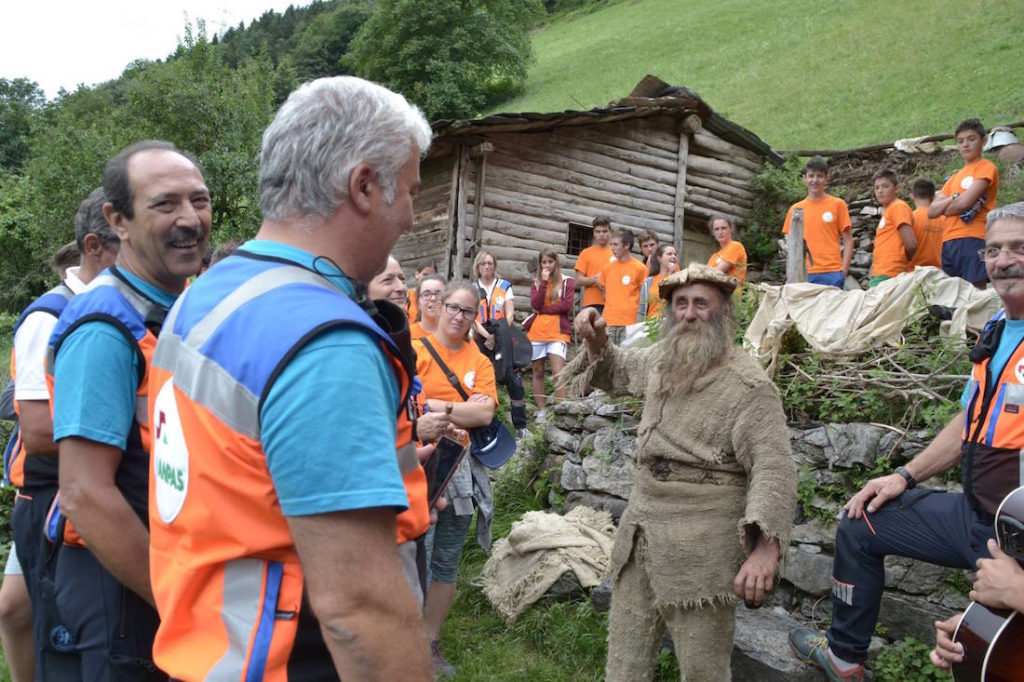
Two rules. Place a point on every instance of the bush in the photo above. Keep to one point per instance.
(906, 661)
(777, 189)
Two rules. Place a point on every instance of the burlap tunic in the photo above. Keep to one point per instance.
(713, 467)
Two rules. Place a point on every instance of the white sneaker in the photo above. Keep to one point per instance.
(540, 416)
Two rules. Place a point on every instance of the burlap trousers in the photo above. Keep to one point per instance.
(702, 636)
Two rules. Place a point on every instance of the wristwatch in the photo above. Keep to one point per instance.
(448, 407)
(909, 477)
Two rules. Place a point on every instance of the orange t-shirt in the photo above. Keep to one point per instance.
(416, 330)
(654, 301)
(591, 261)
(929, 239)
(825, 220)
(545, 325)
(410, 304)
(958, 183)
(474, 370)
(733, 253)
(890, 256)
(622, 281)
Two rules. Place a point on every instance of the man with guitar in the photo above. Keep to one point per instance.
(890, 516)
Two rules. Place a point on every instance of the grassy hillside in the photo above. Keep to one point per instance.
(802, 73)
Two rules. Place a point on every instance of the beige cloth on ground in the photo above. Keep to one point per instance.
(539, 549)
(838, 322)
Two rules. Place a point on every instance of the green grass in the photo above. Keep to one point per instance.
(801, 74)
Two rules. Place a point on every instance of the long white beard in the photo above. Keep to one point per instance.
(689, 349)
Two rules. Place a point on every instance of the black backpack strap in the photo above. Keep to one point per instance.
(454, 380)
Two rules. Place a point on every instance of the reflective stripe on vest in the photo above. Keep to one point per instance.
(248, 616)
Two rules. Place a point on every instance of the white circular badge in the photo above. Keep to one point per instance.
(881, 223)
(827, 216)
(967, 182)
(469, 380)
(170, 455)
(1019, 371)
(625, 280)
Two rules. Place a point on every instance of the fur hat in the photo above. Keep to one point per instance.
(695, 273)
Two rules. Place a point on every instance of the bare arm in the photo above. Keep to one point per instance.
(847, 250)
(102, 516)
(909, 240)
(942, 453)
(966, 200)
(477, 411)
(510, 309)
(369, 617)
(36, 427)
(756, 576)
(584, 281)
(938, 206)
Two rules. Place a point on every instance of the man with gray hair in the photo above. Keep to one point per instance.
(715, 488)
(277, 387)
(33, 465)
(891, 515)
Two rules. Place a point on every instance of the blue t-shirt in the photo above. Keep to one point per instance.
(328, 424)
(1013, 334)
(96, 378)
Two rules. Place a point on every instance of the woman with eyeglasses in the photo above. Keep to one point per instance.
(498, 303)
(457, 356)
(428, 312)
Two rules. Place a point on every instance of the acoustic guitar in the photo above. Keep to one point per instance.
(993, 639)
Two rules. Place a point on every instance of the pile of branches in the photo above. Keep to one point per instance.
(913, 386)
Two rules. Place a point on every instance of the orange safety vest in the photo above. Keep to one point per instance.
(993, 437)
(226, 576)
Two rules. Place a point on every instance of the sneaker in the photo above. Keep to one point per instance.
(540, 416)
(522, 433)
(442, 667)
(812, 648)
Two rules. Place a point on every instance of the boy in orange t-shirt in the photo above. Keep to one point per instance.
(826, 221)
(621, 279)
(927, 232)
(964, 202)
(591, 261)
(895, 243)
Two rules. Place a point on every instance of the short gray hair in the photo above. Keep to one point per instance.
(1010, 211)
(89, 220)
(323, 131)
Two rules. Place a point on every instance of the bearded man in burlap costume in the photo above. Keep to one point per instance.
(715, 488)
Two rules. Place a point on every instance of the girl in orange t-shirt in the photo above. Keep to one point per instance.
(476, 375)
(548, 328)
(664, 262)
(428, 293)
(731, 258)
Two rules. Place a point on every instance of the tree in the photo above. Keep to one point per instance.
(451, 57)
(20, 100)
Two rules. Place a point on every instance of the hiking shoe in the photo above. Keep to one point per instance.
(442, 667)
(812, 648)
(541, 416)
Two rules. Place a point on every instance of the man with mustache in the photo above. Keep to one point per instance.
(100, 351)
(715, 486)
(890, 515)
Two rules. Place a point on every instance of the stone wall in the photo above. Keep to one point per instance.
(591, 457)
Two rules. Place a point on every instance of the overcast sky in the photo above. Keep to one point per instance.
(61, 43)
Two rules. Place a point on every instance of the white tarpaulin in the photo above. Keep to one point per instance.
(839, 322)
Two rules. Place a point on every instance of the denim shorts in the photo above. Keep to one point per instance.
(960, 259)
(831, 279)
(444, 545)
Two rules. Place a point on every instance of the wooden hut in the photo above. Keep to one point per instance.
(659, 159)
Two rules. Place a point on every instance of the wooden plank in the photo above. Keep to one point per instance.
(566, 138)
(706, 213)
(745, 185)
(710, 141)
(556, 153)
(508, 183)
(751, 166)
(606, 135)
(462, 194)
(717, 206)
(711, 166)
(659, 196)
(695, 180)
(480, 198)
(504, 175)
(680, 198)
(695, 190)
(513, 201)
(796, 265)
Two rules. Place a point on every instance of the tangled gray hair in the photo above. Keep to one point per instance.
(323, 131)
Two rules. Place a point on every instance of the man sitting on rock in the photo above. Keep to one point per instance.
(715, 488)
(950, 529)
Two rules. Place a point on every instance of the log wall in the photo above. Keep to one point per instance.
(535, 184)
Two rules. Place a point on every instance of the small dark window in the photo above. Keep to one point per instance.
(579, 238)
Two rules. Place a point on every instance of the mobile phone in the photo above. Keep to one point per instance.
(441, 465)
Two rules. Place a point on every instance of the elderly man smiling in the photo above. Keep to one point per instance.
(715, 486)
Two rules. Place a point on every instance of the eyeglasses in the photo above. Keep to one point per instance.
(456, 310)
(1014, 249)
(430, 294)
